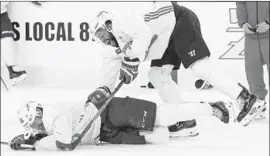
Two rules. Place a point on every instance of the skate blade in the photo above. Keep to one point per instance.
(18, 80)
(261, 116)
(191, 132)
(252, 115)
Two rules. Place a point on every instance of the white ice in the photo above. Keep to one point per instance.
(215, 137)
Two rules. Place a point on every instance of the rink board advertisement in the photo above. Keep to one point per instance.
(54, 44)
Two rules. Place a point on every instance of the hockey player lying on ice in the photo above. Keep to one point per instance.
(124, 121)
(167, 35)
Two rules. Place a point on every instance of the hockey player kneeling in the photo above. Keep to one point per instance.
(125, 121)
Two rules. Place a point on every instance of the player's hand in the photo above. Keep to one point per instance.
(262, 27)
(129, 69)
(247, 27)
(99, 96)
(17, 141)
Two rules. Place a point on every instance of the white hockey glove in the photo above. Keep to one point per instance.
(99, 96)
(129, 69)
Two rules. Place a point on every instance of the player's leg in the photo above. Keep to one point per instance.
(160, 76)
(152, 121)
(16, 74)
(7, 50)
(216, 76)
(168, 114)
(244, 98)
(254, 67)
(264, 49)
(131, 112)
(168, 90)
(123, 119)
(136, 114)
(5, 80)
(194, 55)
(159, 135)
(223, 81)
(192, 49)
(174, 75)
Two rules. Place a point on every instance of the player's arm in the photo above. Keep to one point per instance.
(109, 74)
(141, 36)
(242, 15)
(109, 71)
(136, 49)
(62, 132)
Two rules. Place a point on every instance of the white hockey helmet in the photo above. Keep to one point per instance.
(27, 113)
(99, 22)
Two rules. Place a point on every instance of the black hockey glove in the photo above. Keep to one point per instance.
(16, 142)
(99, 96)
(129, 69)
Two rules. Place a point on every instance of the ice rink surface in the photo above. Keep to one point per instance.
(215, 139)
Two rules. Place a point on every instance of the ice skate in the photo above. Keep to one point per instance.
(220, 111)
(183, 129)
(252, 107)
(16, 74)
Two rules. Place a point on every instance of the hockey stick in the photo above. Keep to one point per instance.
(5, 143)
(4, 83)
(74, 144)
(21, 147)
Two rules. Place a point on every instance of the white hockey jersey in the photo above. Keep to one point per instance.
(4, 7)
(133, 34)
(66, 125)
(161, 21)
